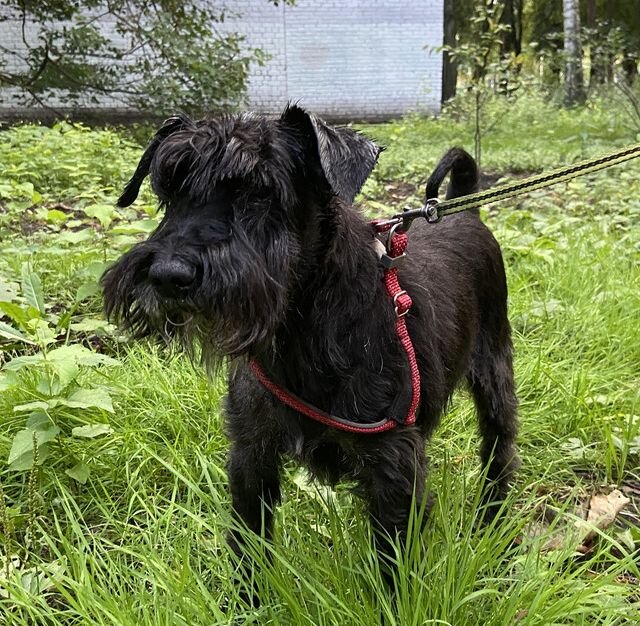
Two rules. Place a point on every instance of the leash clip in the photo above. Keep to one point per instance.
(429, 212)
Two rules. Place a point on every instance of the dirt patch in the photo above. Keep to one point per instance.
(490, 179)
(397, 192)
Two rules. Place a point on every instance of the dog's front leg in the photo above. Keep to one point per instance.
(393, 485)
(254, 478)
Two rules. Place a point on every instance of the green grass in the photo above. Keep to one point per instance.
(142, 540)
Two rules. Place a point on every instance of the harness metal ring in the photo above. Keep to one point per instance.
(392, 232)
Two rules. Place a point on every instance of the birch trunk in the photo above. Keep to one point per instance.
(573, 81)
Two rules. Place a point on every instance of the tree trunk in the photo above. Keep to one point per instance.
(511, 44)
(512, 17)
(597, 61)
(449, 67)
(573, 83)
(630, 66)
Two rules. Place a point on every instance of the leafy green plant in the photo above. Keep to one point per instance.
(19, 571)
(65, 162)
(17, 196)
(488, 71)
(32, 324)
(55, 373)
(56, 380)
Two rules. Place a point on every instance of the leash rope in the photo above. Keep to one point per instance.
(435, 209)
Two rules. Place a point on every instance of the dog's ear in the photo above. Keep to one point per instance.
(346, 157)
(132, 189)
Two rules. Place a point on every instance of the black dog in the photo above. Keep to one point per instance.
(261, 259)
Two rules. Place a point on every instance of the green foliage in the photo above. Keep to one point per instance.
(623, 15)
(113, 495)
(54, 375)
(172, 54)
(62, 163)
(44, 333)
(479, 54)
(543, 21)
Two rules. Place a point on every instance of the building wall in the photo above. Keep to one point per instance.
(343, 59)
(346, 58)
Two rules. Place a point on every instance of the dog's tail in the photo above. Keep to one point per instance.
(464, 174)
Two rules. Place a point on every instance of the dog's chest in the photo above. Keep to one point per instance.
(323, 456)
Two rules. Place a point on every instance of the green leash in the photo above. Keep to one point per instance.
(435, 209)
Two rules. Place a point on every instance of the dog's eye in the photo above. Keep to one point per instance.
(262, 194)
(249, 203)
(248, 194)
(217, 231)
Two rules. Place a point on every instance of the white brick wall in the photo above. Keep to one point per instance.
(346, 58)
(350, 59)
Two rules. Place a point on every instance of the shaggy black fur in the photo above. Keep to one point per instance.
(261, 254)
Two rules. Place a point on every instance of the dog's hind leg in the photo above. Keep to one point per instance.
(491, 381)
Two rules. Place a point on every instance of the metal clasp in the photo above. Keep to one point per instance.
(430, 209)
(389, 262)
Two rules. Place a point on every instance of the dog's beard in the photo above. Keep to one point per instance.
(240, 300)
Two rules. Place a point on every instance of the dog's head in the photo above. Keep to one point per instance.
(240, 196)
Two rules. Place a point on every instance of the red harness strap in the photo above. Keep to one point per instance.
(396, 246)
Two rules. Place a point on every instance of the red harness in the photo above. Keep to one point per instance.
(396, 245)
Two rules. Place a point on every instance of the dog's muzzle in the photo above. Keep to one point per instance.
(172, 278)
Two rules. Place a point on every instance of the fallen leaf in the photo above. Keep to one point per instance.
(603, 510)
(593, 515)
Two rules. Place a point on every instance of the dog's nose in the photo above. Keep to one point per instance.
(172, 278)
